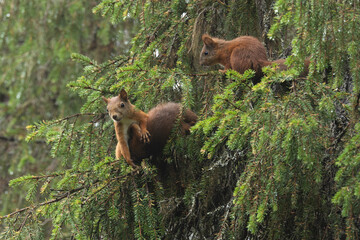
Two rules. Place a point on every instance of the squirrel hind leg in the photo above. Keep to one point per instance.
(122, 149)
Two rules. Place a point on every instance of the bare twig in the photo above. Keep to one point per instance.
(23, 223)
(74, 116)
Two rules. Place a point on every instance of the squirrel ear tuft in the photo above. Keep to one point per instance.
(105, 99)
(123, 95)
(208, 41)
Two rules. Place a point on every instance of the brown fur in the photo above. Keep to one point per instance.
(283, 67)
(160, 124)
(142, 135)
(126, 117)
(240, 54)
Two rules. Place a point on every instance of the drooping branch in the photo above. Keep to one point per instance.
(16, 140)
(64, 195)
(67, 194)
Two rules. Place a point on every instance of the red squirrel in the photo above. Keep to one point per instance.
(124, 115)
(160, 124)
(142, 135)
(240, 54)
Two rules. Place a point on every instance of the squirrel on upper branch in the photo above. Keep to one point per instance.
(240, 54)
(141, 135)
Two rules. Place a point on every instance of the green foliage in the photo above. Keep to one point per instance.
(259, 164)
(348, 179)
(36, 42)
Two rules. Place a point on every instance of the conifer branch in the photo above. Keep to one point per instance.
(74, 116)
(221, 2)
(23, 223)
(68, 194)
(232, 104)
(228, 207)
(137, 203)
(105, 185)
(340, 136)
(94, 89)
(356, 107)
(16, 140)
(7, 139)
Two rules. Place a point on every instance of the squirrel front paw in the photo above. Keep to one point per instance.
(222, 70)
(132, 164)
(145, 136)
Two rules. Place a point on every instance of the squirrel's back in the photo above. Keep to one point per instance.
(161, 121)
(254, 47)
(160, 124)
(248, 53)
(239, 54)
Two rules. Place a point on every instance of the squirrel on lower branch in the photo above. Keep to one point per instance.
(161, 122)
(240, 54)
(125, 116)
(141, 135)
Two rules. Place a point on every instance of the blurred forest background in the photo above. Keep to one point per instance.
(263, 162)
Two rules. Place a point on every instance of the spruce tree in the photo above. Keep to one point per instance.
(259, 164)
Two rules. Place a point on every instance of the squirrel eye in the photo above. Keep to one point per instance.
(122, 105)
(206, 53)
